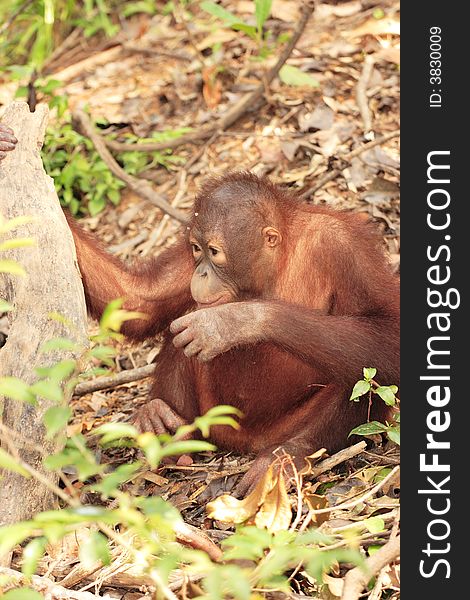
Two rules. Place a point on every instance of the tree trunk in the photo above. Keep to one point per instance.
(52, 284)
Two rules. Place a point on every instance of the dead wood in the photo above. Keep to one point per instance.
(336, 459)
(52, 283)
(47, 587)
(109, 381)
(356, 580)
(139, 186)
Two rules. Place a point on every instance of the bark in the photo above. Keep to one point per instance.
(52, 284)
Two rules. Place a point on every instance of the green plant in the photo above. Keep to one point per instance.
(144, 528)
(255, 32)
(7, 265)
(368, 386)
(36, 28)
(46, 90)
(82, 179)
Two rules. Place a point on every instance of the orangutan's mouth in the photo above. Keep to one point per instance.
(223, 299)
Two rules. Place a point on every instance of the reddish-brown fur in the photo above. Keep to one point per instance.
(323, 305)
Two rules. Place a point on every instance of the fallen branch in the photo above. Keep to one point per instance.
(336, 459)
(194, 538)
(141, 187)
(361, 92)
(346, 158)
(357, 579)
(236, 111)
(109, 381)
(87, 64)
(45, 586)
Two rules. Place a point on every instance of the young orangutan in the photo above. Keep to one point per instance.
(264, 303)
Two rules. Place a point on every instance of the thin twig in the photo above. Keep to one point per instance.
(232, 115)
(138, 49)
(110, 381)
(357, 579)
(346, 158)
(46, 586)
(139, 186)
(12, 17)
(363, 498)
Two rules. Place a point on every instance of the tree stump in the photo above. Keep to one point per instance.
(52, 284)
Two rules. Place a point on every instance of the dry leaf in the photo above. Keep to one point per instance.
(289, 148)
(275, 513)
(267, 506)
(347, 9)
(212, 88)
(270, 150)
(67, 547)
(311, 460)
(316, 502)
(391, 54)
(376, 27)
(335, 584)
(321, 118)
(219, 36)
(231, 510)
(154, 478)
(286, 10)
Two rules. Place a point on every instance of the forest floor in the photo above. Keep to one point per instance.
(165, 73)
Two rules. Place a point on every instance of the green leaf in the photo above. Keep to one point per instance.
(94, 549)
(361, 388)
(151, 446)
(10, 535)
(369, 373)
(16, 389)
(22, 593)
(62, 370)
(56, 419)
(386, 394)
(9, 463)
(58, 344)
(393, 433)
(293, 76)
(141, 6)
(374, 524)
(51, 86)
(186, 447)
(14, 223)
(5, 306)
(50, 390)
(114, 196)
(17, 243)
(223, 409)
(369, 429)
(110, 432)
(262, 10)
(12, 267)
(247, 543)
(248, 29)
(32, 553)
(110, 483)
(218, 11)
(96, 205)
(227, 581)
